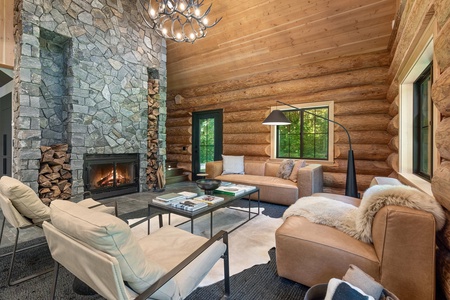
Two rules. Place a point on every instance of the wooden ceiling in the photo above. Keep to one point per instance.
(257, 36)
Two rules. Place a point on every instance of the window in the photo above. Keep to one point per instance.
(418, 155)
(307, 136)
(422, 125)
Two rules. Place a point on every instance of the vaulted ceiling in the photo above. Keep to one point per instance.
(257, 36)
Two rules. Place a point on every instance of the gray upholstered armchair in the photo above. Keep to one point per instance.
(102, 252)
(23, 209)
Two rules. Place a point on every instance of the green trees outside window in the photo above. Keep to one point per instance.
(306, 137)
(206, 142)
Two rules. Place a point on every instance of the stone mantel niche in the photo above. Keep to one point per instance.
(81, 78)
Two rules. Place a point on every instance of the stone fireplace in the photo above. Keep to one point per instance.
(107, 175)
(82, 79)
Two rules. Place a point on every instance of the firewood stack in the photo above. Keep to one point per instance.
(152, 138)
(55, 173)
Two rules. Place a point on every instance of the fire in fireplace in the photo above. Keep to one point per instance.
(107, 175)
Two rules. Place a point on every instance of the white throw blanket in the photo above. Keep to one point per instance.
(357, 221)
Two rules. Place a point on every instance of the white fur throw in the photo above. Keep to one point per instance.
(357, 221)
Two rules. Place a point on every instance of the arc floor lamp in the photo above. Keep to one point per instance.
(276, 117)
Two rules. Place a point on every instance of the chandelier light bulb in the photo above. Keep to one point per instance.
(185, 21)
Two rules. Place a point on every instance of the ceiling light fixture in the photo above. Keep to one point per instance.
(177, 20)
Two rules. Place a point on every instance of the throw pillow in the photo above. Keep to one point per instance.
(285, 168)
(366, 283)
(341, 290)
(298, 164)
(111, 235)
(24, 199)
(233, 164)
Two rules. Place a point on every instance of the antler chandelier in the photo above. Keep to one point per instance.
(177, 20)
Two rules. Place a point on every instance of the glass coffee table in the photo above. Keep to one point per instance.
(192, 215)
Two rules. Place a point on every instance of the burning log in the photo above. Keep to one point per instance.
(55, 173)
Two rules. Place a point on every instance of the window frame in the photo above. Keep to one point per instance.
(421, 56)
(274, 129)
(417, 121)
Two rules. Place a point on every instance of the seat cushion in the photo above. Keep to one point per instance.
(24, 199)
(178, 245)
(310, 253)
(109, 234)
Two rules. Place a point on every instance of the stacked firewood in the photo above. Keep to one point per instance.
(55, 173)
(152, 138)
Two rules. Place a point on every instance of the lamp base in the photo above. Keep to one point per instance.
(351, 188)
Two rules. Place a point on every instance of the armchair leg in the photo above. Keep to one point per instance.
(13, 258)
(55, 280)
(226, 268)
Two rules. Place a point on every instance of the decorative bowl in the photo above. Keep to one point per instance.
(208, 185)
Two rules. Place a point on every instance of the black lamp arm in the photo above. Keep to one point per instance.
(332, 121)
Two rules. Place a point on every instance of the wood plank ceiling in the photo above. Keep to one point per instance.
(257, 36)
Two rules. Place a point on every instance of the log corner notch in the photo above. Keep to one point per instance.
(55, 173)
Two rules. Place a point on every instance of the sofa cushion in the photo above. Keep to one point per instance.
(109, 234)
(233, 164)
(285, 168)
(298, 164)
(24, 199)
(271, 168)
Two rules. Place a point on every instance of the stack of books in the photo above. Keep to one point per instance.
(234, 189)
(190, 205)
(170, 198)
(209, 199)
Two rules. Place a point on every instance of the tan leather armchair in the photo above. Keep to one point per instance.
(401, 257)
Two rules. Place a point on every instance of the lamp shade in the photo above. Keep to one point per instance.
(276, 117)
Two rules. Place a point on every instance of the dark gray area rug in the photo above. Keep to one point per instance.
(260, 282)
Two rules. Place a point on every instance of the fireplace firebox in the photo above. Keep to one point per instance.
(108, 175)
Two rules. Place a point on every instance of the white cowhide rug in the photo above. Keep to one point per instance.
(248, 245)
(357, 221)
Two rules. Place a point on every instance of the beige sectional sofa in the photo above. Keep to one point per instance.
(263, 174)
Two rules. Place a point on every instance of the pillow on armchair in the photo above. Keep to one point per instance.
(24, 199)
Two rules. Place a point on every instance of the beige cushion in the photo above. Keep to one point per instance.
(24, 199)
(111, 235)
(91, 203)
(285, 168)
(233, 164)
(298, 164)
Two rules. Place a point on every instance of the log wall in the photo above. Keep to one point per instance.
(440, 184)
(357, 85)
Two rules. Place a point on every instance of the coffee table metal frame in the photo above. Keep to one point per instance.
(192, 215)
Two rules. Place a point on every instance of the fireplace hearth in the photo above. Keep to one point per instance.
(108, 175)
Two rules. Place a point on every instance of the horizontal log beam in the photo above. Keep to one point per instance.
(254, 138)
(247, 150)
(363, 137)
(363, 122)
(257, 114)
(337, 180)
(361, 107)
(364, 167)
(327, 67)
(301, 87)
(245, 127)
(363, 151)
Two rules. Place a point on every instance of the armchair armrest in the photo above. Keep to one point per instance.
(163, 280)
(214, 168)
(310, 180)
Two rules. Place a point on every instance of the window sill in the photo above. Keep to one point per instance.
(416, 181)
